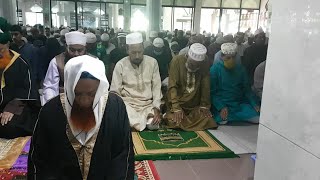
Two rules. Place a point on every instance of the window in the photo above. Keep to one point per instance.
(139, 20)
(63, 13)
(230, 21)
(253, 4)
(167, 18)
(211, 3)
(184, 3)
(183, 18)
(89, 14)
(231, 3)
(249, 19)
(167, 2)
(33, 18)
(141, 2)
(210, 20)
(115, 15)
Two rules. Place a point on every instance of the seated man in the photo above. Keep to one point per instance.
(53, 82)
(259, 79)
(18, 90)
(162, 54)
(137, 80)
(231, 95)
(189, 91)
(83, 133)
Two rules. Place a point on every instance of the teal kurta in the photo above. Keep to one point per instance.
(230, 88)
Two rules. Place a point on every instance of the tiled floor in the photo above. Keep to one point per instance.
(240, 138)
(211, 169)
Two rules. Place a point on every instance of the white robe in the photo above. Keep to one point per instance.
(139, 87)
(51, 83)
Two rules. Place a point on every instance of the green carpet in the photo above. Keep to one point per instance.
(175, 145)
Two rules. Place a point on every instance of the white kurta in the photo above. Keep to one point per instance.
(51, 82)
(139, 87)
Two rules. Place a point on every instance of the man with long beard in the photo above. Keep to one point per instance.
(83, 133)
(53, 82)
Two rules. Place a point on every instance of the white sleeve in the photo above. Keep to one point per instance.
(156, 86)
(116, 84)
(51, 82)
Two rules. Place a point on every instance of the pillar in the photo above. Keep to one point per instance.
(8, 10)
(127, 15)
(288, 140)
(154, 14)
(197, 16)
(46, 13)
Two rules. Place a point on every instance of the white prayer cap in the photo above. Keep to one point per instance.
(229, 48)
(105, 37)
(134, 38)
(80, 30)
(76, 37)
(158, 42)
(193, 33)
(258, 31)
(197, 52)
(63, 32)
(91, 38)
(153, 34)
(188, 32)
(219, 40)
(208, 34)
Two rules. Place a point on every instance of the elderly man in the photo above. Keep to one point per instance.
(231, 94)
(83, 133)
(103, 50)
(152, 36)
(18, 110)
(92, 44)
(117, 54)
(189, 91)
(53, 82)
(137, 80)
(161, 54)
(255, 54)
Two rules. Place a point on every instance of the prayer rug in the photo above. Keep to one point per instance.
(175, 145)
(146, 170)
(10, 149)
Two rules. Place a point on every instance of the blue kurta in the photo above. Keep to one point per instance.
(230, 88)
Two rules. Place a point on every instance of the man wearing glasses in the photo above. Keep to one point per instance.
(53, 82)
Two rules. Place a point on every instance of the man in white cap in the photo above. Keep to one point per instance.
(62, 39)
(137, 80)
(152, 36)
(188, 34)
(189, 91)
(218, 56)
(103, 50)
(92, 44)
(53, 82)
(161, 54)
(105, 41)
(192, 40)
(255, 54)
(118, 53)
(231, 95)
(169, 37)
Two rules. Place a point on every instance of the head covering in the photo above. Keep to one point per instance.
(5, 35)
(87, 31)
(158, 42)
(76, 37)
(80, 30)
(174, 46)
(91, 38)
(153, 34)
(219, 40)
(229, 48)
(122, 35)
(188, 32)
(72, 73)
(105, 37)
(134, 38)
(258, 31)
(208, 34)
(239, 34)
(63, 32)
(228, 39)
(197, 52)
(193, 33)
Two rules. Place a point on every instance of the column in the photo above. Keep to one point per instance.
(127, 14)
(154, 14)
(197, 16)
(46, 13)
(288, 141)
(8, 9)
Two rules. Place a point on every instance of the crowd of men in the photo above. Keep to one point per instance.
(174, 79)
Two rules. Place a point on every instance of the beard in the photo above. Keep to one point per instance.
(82, 118)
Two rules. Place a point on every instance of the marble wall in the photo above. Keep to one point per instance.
(289, 134)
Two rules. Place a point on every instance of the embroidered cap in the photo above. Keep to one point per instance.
(229, 48)
(158, 42)
(197, 52)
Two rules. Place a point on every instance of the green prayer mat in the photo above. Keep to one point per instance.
(178, 145)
